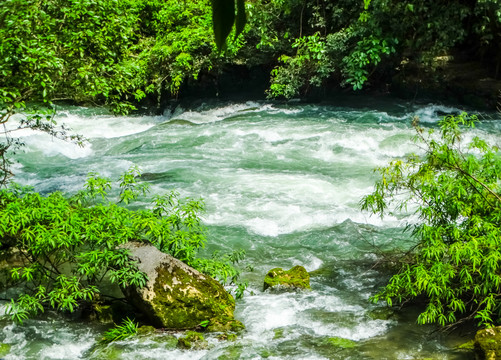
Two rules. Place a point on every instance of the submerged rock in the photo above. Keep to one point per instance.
(4, 349)
(192, 340)
(177, 296)
(339, 342)
(488, 343)
(295, 278)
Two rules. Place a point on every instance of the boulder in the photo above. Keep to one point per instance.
(488, 343)
(177, 296)
(192, 340)
(295, 278)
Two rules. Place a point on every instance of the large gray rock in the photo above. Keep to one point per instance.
(177, 296)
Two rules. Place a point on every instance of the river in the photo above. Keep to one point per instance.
(281, 181)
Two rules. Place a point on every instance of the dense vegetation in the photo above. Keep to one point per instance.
(120, 51)
(68, 247)
(453, 187)
(125, 53)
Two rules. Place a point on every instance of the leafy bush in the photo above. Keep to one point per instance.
(454, 187)
(69, 245)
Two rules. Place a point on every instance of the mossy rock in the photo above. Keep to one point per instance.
(177, 296)
(112, 351)
(339, 342)
(488, 343)
(384, 313)
(227, 337)
(469, 345)
(4, 349)
(231, 352)
(295, 278)
(226, 325)
(266, 353)
(279, 334)
(167, 341)
(146, 330)
(102, 313)
(192, 340)
(106, 312)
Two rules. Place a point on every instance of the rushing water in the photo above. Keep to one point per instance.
(282, 182)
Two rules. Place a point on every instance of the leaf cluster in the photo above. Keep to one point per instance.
(454, 189)
(70, 245)
(123, 331)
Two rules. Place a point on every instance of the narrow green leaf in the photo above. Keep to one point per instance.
(241, 19)
(223, 18)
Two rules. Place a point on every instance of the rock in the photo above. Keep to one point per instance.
(339, 342)
(279, 334)
(102, 313)
(4, 349)
(177, 296)
(106, 312)
(146, 330)
(192, 340)
(234, 325)
(382, 313)
(111, 351)
(295, 278)
(9, 258)
(469, 345)
(227, 337)
(488, 343)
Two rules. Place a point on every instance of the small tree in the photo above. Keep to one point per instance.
(69, 245)
(454, 188)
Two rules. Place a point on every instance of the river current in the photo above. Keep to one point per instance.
(281, 181)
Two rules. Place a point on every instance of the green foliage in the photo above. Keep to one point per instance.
(310, 66)
(127, 329)
(454, 189)
(71, 244)
(120, 52)
(366, 53)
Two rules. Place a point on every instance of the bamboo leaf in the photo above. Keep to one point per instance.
(223, 18)
(241, 19)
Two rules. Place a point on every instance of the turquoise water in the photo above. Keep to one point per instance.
(283, 182)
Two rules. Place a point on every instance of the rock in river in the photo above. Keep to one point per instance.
(295, 278)
(177, 296)
(488, 343)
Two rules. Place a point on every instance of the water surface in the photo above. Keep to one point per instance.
(283, 182)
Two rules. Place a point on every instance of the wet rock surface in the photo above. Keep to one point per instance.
(293, 279)
(177, 296)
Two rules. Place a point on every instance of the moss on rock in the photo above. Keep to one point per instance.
(192, 340)
(227, 336)
(339, 342)
(177, 296)
(226, 325)
(4, 349)
(469, 345)
(145, 330)
(488, 343)
(295, 278)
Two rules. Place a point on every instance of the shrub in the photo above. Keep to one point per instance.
(454, 188)
(69, 245)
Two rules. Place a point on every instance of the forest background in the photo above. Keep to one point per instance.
(127, 53)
